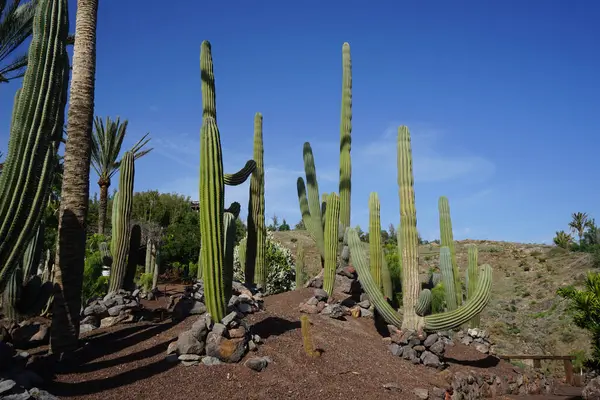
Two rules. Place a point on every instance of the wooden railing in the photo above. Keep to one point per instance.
(537, 363)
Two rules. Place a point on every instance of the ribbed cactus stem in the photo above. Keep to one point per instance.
(310, 207)
(122, 227)
(200, 272)
(375, 238)
(299, 266)
(255, 268)
(155, 269)
(207, 76)
(424, 303)
(36, 128)
(148, 265)
(447, 239)
(409, 250)
(33, 254)
(229, 230)
(242, 248)
(332, 221)
(386, 278)
(465, 313)
(135, 240)
(212, 195)
(448, 278)
(367, 282)
(472, 278)
(345, 139)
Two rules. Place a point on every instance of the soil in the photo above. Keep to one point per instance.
(128, 361)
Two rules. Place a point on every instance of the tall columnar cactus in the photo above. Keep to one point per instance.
(332, 223)
(448, 278)
(345, 139)
(148, 263)
(375, 239)
(447, 239)
(386, 279)
(299, 266)
(472, 277)
(229, 231)
(135, 241)
(35, 133)
(121, 226)
(413, 300)
(255, 268)
(155, 268)
(310, 207)
(212, 193)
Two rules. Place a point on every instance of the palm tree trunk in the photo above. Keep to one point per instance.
(102, 206)
(70, 253)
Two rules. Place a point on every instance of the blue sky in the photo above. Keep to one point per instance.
(501, 98)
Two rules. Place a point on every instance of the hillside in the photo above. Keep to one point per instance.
(525, 316)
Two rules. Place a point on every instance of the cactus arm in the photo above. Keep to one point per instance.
(332, 220)
(448, 278)
(359, 260)
(314, 204)
(241, 176)
(229, 230)
(345, 139)
(409, 248)
(424, 303)
(375, 238)
(313, 227)
(473, 307)
(207, 76)
(212, 208)
(121, 228)
(447, 239)
(472, 278)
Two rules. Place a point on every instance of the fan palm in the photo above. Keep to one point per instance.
(107, 140)
(580, 221)
(16, 21)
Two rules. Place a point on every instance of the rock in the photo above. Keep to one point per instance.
(438, 348)
(257, 363)
(172, 348)
(19, 396)
(244, 308)
(84, 328)
(228, 319)
(408, 353)
(308, 309)
(592, 390)
(96, 309)
(366, 313)
(41, 394)
(136, 293)
(238, 332)
(189, 357)
(219, 329)
(396, 349)
(256, 338)
(421, 393)
(313, 301)
(41, 335)
(333, 310)
(365, 303)
(199, 329)
(482, 348)
(430, 360)
(188, 344)
(419, 348)
(227, 350)
(116, 310)
(91, 319)
(6, 385)
(252, 346)
(321, 295)
(466, 340)
(431, 339)
(392, 386)
(198, 308)
(211, 361)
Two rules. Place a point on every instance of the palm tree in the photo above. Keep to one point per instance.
(563, 239)
(16, 22)
(70, 251)
(580, 221)
(106, 146)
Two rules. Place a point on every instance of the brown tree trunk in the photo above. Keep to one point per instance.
(70, 252)
(103, 205)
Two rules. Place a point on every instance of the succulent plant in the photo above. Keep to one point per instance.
(332, 224)
(345, 140)
(447, 240)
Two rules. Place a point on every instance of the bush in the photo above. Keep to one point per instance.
(280, 265)
(94, 284)
(145, 281)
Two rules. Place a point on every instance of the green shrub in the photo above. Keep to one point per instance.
(145, 281)
(94, 284)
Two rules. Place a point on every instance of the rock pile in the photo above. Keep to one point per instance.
(321, 303)
(16, 381)
(478, 338)
(114, 308)
(346, 281)
(419, 348)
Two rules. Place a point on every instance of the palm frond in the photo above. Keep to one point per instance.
(15, 27)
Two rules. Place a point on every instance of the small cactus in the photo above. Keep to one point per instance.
(307, 338)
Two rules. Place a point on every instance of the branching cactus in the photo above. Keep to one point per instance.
(35, 133)
(121, 226)
(212, 193)
(345, 139)
(332, 224)
(255, 266)
(413, 300)
(375, 238)
(448, 278)
(447, 240)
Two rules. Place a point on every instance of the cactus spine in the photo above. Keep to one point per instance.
(345, 139)
(448, 278)
(256, 270)
(447, 239)
(413, 301)
(332, 223)
(472, 277)
(375, 238)
(212, 193)
(299, 266)
(121, 226)
(35, 132)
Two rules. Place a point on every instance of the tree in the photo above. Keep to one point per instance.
(284, 226)
(16, 26)
(580, 221)
(70, 253)
(563, 239)
(300, 226)
(106, 146)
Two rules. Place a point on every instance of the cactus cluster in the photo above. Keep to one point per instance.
(416, 302)
(217, 272)
(35, 133)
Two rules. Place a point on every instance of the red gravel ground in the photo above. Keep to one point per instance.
(128, 362)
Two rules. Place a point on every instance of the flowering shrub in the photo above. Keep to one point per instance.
(280, 266)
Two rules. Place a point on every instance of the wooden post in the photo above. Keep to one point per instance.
(568, 371)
